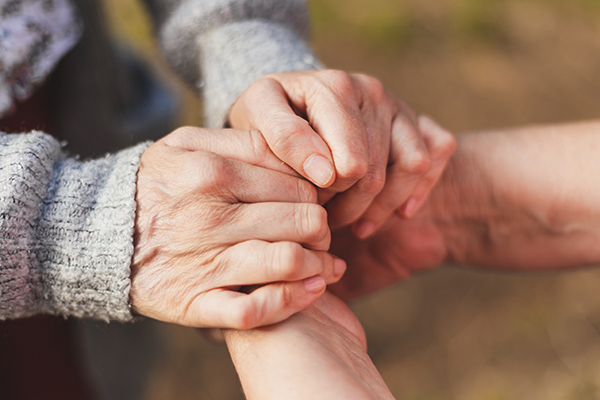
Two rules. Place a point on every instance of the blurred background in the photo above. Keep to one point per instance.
(453, 333)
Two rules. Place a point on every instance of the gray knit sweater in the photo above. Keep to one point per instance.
(67, 225)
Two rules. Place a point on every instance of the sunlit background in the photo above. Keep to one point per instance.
(454, 333)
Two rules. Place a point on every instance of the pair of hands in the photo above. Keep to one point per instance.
(222, 211)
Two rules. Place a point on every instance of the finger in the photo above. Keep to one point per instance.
(403, 108)
(252, 184)
(265, 107)
(214, 335)
(331, 101)
(266, 305)
(275, 222)
(208, 175)
(377, 112)
(409, 161)
(243, 145)
(441, 145)
(257, 262)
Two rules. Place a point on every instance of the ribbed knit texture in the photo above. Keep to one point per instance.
(34, 35)
(66, 230)
(66, 226)
(222, 46)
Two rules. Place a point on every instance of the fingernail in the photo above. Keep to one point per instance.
(363, 228)
(318, 169)
(411, 207)
(314, 284)
(339, 266)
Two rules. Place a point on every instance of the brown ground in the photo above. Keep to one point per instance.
(457, 333)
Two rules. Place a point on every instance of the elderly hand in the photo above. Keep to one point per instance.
(346, 133)
(319, 353)
(217, 212)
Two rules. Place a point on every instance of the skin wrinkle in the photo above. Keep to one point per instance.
(307, 83)
(202, 283)
(290, 53)
(305, 222)
(258, 145)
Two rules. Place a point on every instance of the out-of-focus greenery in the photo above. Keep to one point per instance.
(381, 22)
(393, 23)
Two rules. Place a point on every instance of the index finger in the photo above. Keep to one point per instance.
(331, 102)
(266, 107)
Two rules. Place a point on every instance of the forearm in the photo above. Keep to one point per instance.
(527, 198)
(313, 355)
(224, 46)
(67, 237)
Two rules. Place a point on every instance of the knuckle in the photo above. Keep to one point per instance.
(245, 317)
(259, 145)
(338, 79)
(374, 181)
(307, 192)
(264, 83)
(285, 134)
(179, 136)
(376, 89)
(325, 264)
(185, 130)
(291, 259)
(286, 297)
(212, 172)
(353, 168)
(419, 163)
(257, 91)
(449, 143)
(314, 222)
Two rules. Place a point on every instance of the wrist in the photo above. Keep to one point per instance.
(460, 204)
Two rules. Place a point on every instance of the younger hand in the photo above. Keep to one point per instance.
(317, 354)
(213, 216)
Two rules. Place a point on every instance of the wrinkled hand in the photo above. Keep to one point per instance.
(346, 133)
(319, 353)
(217, 212)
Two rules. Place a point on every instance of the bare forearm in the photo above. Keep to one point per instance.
(527, 198)
(316, 354)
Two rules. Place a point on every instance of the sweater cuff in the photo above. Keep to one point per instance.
(84, 238)
(233, 56)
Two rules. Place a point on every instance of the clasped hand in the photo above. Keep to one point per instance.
(366, 149)
(222, 211)
(218, 212)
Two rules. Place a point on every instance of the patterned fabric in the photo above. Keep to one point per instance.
(34, 35)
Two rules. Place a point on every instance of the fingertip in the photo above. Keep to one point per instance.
(315, 284)
(339, 267)
(319, 170)
(363, 228)
(410, 207)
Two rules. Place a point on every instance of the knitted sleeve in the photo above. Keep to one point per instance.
(222, 46)
(67, 226)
